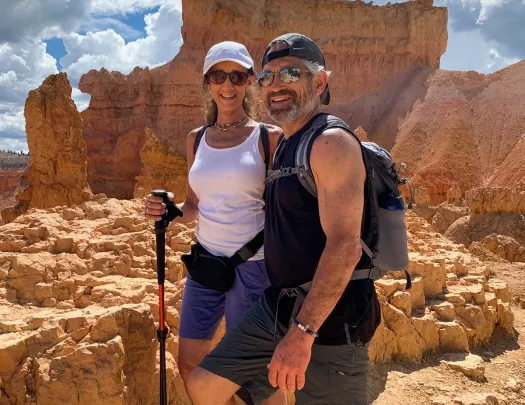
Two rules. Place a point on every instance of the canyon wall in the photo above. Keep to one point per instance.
(364, 45)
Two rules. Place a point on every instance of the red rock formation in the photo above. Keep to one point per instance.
(466, 131)
(512, 170)
(57, 174)
(9, 180)
(364, 45)
(164, 168)
(361, 134)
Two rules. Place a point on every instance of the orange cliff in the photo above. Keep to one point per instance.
(9, 180)
(467, 130)
(365, 47)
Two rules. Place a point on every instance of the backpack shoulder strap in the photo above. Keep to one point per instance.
(198, 138)
(302, 155)
(265, 139)
(302, 158)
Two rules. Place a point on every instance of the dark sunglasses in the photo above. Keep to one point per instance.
(286, 75)
(219, 77)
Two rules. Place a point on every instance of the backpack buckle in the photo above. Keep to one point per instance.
(286, 171)
(375, 273)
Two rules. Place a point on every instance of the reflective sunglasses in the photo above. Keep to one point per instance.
(219, 77)
(286, 75)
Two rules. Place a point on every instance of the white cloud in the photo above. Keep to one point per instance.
(104, 23)
(23, 67)
(114, 7)
(486, 6)
(478, 26)
(14, 144)
(108, 49)
(81, 99)
(500, 23)
(12, 128)
(34, 18)
(24, 63)
(495, 61)
(55, 18)
(12, 120)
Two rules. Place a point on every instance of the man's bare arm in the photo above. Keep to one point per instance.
(340, 174)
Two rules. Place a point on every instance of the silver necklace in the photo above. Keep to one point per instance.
(227, 127)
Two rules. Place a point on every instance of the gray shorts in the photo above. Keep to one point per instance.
(336, 374)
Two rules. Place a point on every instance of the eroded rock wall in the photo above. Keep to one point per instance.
(364, 46)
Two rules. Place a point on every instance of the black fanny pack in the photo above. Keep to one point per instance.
(218, 272)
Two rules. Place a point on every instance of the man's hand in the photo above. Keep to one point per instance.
(290, 360)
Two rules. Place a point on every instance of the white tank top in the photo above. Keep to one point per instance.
(229, 184)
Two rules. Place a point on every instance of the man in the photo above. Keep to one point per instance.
(317, 348)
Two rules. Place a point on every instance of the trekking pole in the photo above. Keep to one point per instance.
(172, 211)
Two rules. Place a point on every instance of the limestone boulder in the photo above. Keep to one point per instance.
(446, 215)
(469, 364)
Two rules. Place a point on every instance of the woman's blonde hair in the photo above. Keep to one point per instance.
(249, 103)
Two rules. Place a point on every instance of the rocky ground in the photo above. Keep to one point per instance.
(78, 306)
(432, 382)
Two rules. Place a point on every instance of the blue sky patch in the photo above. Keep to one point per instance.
(136, 20)
(55, 47)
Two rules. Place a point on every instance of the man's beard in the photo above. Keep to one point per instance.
(295, 110)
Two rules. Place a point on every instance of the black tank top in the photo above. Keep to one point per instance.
(294, 242)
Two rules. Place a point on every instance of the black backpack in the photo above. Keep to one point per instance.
(386, 245)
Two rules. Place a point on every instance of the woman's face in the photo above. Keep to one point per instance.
(227, 95)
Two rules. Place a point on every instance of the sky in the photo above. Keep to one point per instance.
(39, 38)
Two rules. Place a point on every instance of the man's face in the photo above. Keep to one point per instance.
(286, 102)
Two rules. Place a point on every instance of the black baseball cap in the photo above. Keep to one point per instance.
(302, 47)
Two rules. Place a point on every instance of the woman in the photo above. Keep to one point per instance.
(225, 194)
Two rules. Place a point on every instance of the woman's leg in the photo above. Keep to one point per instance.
(191, 353)
(201, 312)
(250, 282)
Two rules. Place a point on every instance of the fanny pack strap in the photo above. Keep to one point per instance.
(249, 250)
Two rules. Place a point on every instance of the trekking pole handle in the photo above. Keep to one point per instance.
(172, 211)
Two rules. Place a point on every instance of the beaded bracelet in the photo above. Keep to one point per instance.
(305, 329)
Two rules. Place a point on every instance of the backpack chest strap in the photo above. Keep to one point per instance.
(283, 172)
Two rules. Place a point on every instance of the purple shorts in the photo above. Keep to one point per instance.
(202, 308)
